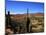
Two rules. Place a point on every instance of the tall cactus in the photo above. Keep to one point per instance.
(9, 20)
(28, 21)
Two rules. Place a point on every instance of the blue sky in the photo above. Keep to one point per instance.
(20, 7)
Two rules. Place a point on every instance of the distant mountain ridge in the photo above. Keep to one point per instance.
(21, 16)
(34, 14)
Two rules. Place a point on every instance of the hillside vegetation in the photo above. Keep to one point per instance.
(36, 22)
